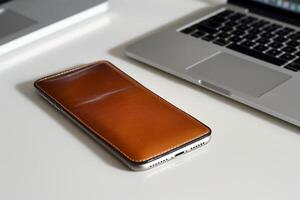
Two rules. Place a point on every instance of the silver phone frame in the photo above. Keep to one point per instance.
(134, 165)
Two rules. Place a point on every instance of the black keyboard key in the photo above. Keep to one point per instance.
(260, 24)
(236, 16)
(256, 25)
(280, 39)
(214, 24)
(218, 19)
(263, 41)
(297, 61)
(268, 35)
(265, 22)
(243, 27)
(298, 32)
(281, 32)
(295, 36)
(223, 35)
(248, 43)
(271, 28)
(208, 38)
(235, 39)
(276, 26)
(256, 54)
(231, 24)
(275, 45)
(187, 30)
(289, 49)
(238, 32)
(287, 56)
(260, 48)
(225, 13)
(293, 43)
(273, 52)
(248, 20)
(255, 31)
(226, 28)
(284, 32)
(206, 29)
(250, 36)
(221, 42)
(298, 53)
(268, 29)
(198, 34)
(293, 66)
(210, 24)
(289, 29)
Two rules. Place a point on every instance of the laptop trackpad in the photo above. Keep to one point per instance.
(12, 22)
(234, 73)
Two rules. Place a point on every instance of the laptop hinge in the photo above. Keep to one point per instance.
(269, 11)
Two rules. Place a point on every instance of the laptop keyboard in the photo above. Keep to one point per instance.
(261, 39)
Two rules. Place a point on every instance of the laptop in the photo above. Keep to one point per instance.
(23, 21)
(247, 50)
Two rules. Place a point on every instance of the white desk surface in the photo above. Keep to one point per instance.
(44, 156)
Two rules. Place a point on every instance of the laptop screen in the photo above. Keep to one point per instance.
(292, 5)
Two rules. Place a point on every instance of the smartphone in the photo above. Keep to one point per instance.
(137, 126)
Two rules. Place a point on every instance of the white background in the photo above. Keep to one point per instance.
(44, 156)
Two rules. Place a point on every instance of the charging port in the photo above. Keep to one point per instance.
(179, 153)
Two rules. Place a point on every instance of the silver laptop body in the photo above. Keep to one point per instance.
(262, 85)
(18, 18)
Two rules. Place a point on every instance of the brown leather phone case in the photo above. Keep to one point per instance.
(136, 123)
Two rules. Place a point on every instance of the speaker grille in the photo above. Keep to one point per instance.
(162, 161)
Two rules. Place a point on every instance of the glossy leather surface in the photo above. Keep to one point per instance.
(137, 123)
